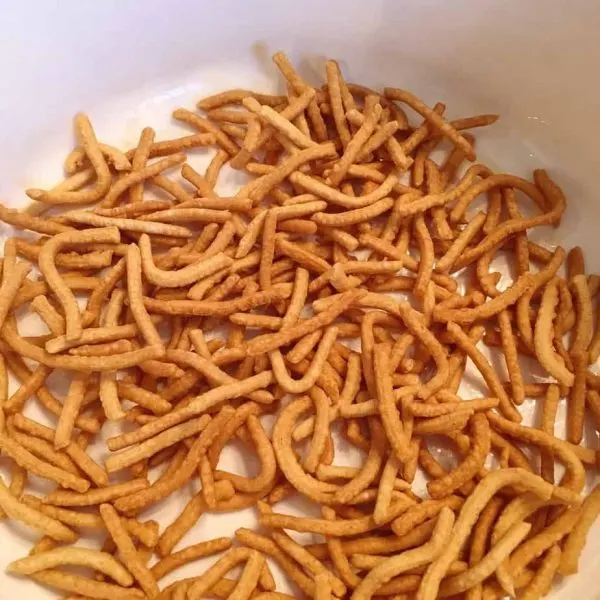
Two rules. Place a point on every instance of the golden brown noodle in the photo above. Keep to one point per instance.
(206, 316)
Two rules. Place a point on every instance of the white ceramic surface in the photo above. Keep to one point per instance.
(129, 63)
